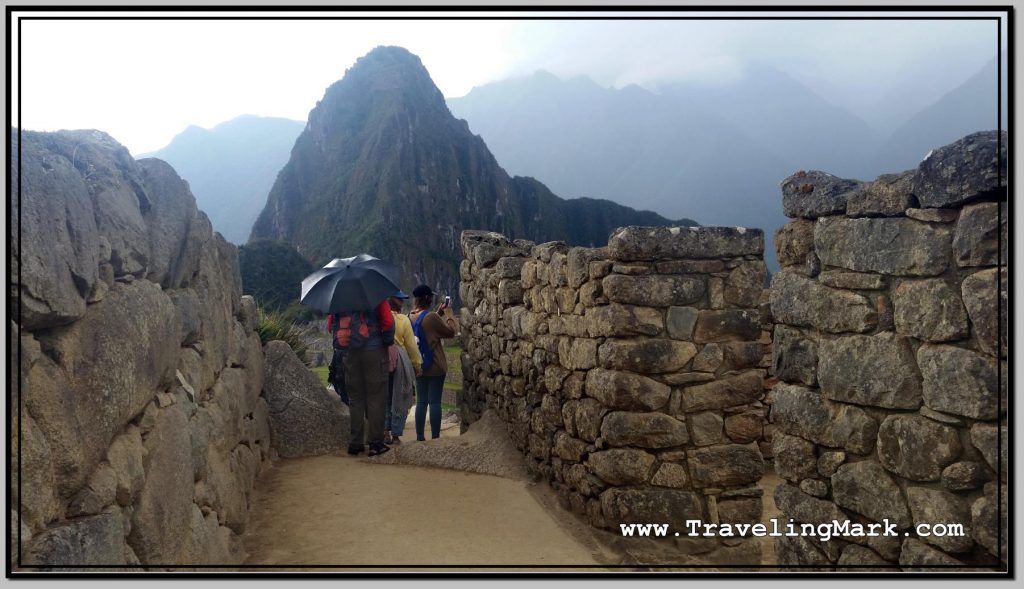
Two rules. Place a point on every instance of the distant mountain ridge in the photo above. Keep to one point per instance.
(716, 152)
(231, 167)
(383, 167)
(971, 106)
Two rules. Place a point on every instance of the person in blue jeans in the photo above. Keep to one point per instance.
(430, 328)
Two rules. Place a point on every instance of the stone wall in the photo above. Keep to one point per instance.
(139, 421)
(631, 375)
(892, 397)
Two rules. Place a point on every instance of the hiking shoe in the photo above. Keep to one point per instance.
(355, 450)
(394, 441)
(377, 449)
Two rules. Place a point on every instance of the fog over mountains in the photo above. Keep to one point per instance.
(231, 167)
(714, 153)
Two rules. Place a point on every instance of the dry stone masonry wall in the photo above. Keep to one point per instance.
(630, 375)
(892, 400)
(140, 422)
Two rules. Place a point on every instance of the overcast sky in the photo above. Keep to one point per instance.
(144, 81)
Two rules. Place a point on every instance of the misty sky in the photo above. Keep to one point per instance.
(144, 81)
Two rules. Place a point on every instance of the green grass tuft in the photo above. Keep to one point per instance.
(274, 326)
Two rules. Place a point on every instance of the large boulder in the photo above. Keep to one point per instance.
(60, 245)
(305, 418)
(111, 363)
(94, 540)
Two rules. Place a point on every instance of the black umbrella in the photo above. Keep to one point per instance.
(358, 283)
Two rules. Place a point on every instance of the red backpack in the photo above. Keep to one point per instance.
(354, 330)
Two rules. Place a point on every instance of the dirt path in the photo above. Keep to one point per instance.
(340, 510)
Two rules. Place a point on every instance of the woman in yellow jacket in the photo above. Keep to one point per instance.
(398, 405)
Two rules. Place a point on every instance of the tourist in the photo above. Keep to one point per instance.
(430, 328)
(405, 367)
(366, 336)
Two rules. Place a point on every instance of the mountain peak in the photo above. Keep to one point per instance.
(383, 167)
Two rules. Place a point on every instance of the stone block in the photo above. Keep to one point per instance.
(888, 196)
(625, 506)
(965, 476)
(624, 390)
(932, 506)
(875, 370)
(898, 246)
(979, 232)
(709, 359)
(728, 325)
(916, 447)
(803, 508)
(578, 353)
(961, 171)
(804, 412)
(987, 520)
(671, 475)
(621, 466)
(794, 457)
(744, 284)
(705, 428)
(740, 511)
(629, 244)
(728, 391)
(727, 465)
(644, 430)
(796, 300)
(933, 215)
(794, 243)
(653, 290)
(979, 297)
(993, 444)
(851, 280)
(617, 320)
(680, 322)
(646, 355)
(961, 382)
(814, 194)
(743, 428)
(930, 310)
(794, 357)
(916, 553)
(865, 488)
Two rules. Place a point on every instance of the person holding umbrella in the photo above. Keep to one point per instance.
(355, 290)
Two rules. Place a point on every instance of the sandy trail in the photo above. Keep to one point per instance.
(341, 510)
